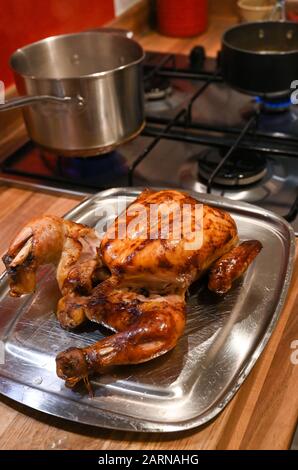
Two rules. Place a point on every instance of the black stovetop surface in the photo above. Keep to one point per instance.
(201, 113)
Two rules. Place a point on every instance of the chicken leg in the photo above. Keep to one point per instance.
(148, 326)
(150, 329)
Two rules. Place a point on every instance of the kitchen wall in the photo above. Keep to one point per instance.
(22, 22)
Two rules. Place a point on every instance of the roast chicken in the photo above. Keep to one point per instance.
(134, 284)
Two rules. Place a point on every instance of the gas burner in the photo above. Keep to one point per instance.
(157, 88)
(167, 105)
(94, 170)
(274, 105)
(243, 168)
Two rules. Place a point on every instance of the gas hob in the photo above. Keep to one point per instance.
(200, 134)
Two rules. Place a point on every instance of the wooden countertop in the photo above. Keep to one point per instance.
(262, 415)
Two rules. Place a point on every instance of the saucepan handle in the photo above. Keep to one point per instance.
(30, 100)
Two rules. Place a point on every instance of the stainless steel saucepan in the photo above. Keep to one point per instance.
(82, 93)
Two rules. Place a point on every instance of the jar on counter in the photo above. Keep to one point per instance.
(180, 19)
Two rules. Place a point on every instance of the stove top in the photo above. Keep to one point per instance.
(200, 134)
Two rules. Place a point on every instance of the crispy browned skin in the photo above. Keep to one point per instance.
(148, 330)
(70, 246)
(232, 265)
(143, 297)
(159, 265)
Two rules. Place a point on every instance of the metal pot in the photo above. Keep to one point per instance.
(83, 92)
(261, 58)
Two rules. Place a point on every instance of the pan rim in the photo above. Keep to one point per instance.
(228, 44)
(76, 77)
(255, 8)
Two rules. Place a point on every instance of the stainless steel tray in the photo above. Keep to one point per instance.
(185, 388)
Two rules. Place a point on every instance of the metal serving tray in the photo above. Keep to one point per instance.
(186, 387)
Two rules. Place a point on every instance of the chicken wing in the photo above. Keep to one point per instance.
(232, 265)
(70, 246)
